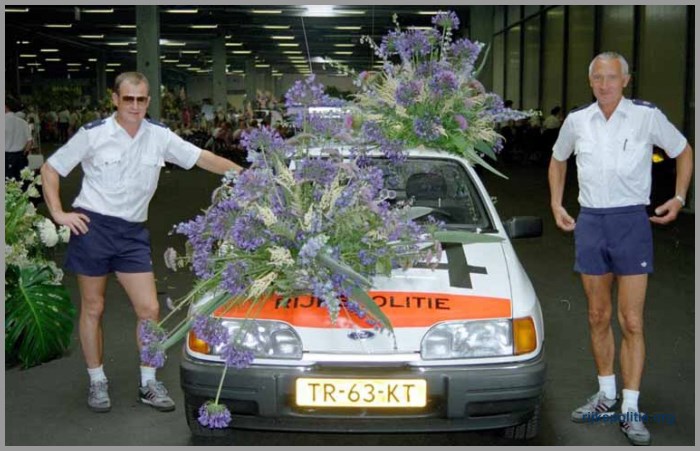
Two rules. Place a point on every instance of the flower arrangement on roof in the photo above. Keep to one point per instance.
(427, 93)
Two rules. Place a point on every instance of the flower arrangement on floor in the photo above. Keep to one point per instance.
(38, 311)
(311, 216)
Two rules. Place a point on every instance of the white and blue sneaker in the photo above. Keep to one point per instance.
(597, 408)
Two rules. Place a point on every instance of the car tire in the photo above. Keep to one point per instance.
(526, 430)
(192, 413)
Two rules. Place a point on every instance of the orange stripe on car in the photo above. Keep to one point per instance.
(404, 309)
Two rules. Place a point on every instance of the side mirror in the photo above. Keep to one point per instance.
(523, 227)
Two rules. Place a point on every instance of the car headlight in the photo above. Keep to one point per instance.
(456, 340)
(266, 339)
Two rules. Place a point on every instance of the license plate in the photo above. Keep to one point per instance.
(401, 393)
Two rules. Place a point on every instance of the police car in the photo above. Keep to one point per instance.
(467, 351)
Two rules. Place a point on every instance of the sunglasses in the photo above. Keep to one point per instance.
(140, 100)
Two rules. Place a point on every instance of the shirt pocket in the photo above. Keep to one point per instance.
(149, 170)
(587, 165)
(633, 159)
(109, 170)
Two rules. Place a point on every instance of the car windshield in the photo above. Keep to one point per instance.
(443, 185)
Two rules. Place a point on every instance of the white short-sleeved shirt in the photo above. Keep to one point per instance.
(614, 157)
(121, 172)
(17, 132)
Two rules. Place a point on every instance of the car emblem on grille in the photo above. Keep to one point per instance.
(361, 335)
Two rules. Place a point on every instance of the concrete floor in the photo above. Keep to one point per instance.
(45, 405)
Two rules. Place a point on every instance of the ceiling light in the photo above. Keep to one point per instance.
(204, 27)
(98, 11)
(171, 61)
(266, 11)
(319, 11)
(22, 42)
(16, 10)
(287, 44)
(109, 70)
(58, 25)
(262, 65)
(348, 28)
(344, 45)
(292, 52)
(183, 65)
(277, 27)
(169, 43)
(182, 11)
(194, 52)
(41, 69)
(428, 13)
(73, 70)
(49, 50)
(133, 51)
(277, 75)
(52, 60)
(91, 36)
(33, 64)
(283, 38)
(27, 55)
(126, 26)
(237, 71)
(74, 64)
(242, 52)
(342, 53)
(114, 64)
(234, 44)
(419, 28)
(349, 11)
(92, 60)
(119, 43)
(194, 68)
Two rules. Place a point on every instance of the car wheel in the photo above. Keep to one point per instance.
(192, 413)
(525, 430)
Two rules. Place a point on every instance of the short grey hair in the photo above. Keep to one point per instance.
(610, 56)
(134, 78)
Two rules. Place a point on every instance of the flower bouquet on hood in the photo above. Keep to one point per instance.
(428, 95)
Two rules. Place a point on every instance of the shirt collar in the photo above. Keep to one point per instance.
(116, 128)
(622, 108)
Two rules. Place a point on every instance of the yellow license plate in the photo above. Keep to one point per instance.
(400, 393)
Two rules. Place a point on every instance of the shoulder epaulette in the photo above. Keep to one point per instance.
(643, 103)
(579, 108)
(94, 124)
(159, 124)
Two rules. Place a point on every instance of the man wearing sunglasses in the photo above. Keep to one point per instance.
(121, 157)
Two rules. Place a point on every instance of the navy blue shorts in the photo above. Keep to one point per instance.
(614, 240)
(111, 244)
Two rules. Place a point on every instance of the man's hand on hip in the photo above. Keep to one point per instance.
(76, 222)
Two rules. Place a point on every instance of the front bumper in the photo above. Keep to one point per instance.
(459, 398)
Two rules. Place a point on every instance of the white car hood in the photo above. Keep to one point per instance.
(471, 282)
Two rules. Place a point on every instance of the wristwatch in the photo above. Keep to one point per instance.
(680, 199)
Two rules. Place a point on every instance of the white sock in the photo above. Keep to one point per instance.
(630, 398)
(147, 374)
(607, 385)
(97, 374)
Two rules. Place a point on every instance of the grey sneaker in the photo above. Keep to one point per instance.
(632, 425)
(597, 408)
(98, 397)
(155, 394)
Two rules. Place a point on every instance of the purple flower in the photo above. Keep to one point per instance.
(448, 20)
(236, 358)
(246, 231)
(150, 332)
(214, 416)
(426, 128)
(466, 52)
(322, 171)
(443, 82)
(153, 355)
(461, 122)
(210, 330)
(498, 146)
(311, 248)
(406, 93)
(234, 279)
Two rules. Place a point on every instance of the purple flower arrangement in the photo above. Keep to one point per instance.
(427, 93)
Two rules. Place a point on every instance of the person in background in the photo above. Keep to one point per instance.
(18, 140)
(121, 157)
(613, 140)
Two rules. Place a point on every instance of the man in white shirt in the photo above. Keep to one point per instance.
(613, 140)
(121, 157)
(18, 140)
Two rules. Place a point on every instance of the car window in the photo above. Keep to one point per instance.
(443, 185)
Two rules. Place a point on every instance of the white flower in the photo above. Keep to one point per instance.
(47, 233)
(30, 211)
(64, 233)
(260, 285)
(308, 217)
(280, 256)
(26, 173)
(170, 258)
(267, 215)
(32, 191)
